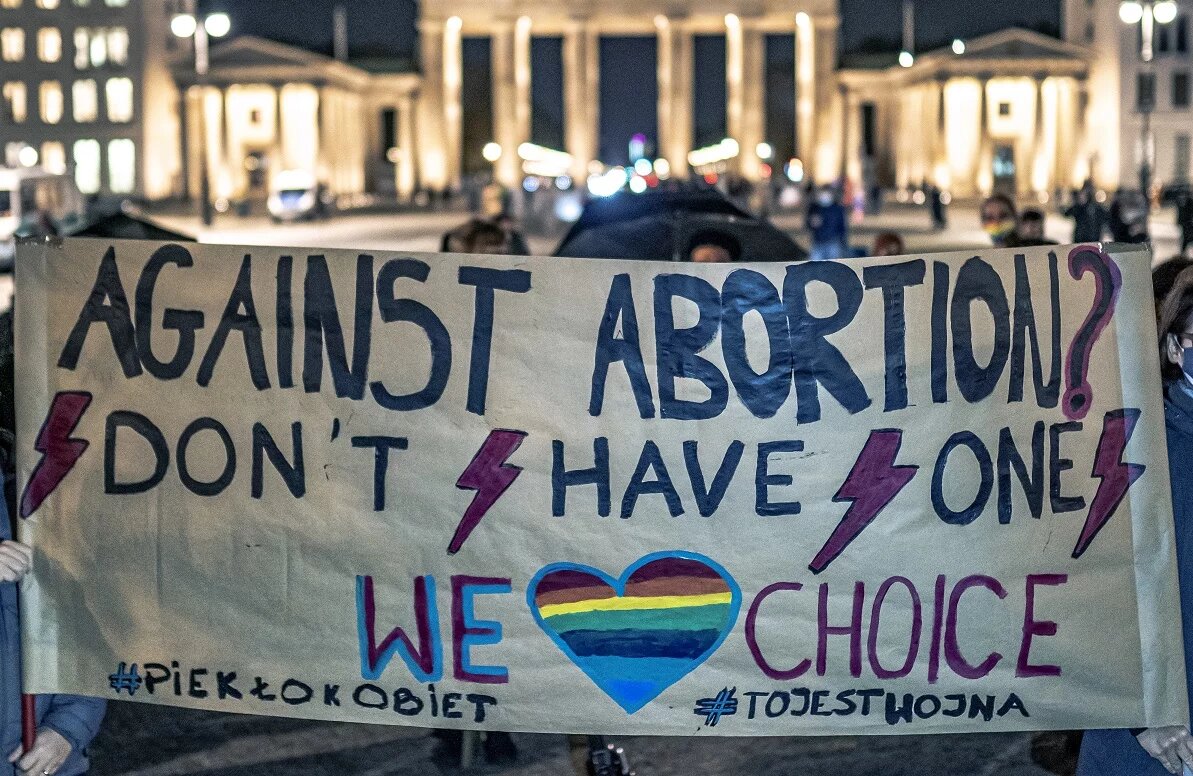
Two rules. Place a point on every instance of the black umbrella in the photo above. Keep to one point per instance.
(128, 226)
(666, 225)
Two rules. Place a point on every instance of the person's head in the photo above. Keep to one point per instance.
(710, 246)
(825, 196)
(998, 218)
(477, 236)
(888, 244)
(1031, 224)
(1176, 330)
(1164, 277)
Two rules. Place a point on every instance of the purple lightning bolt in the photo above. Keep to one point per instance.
(1117, 477)
(873, 483)
(59, 452)
(489, 475)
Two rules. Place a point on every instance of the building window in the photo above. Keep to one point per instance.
(99, 49)
(85, 100)
(86, 155)
(1004, 109)
(1180, 89)
(117, 45)
(12, 41)
(1145, 91)
(119, 95)
(1089, 32)
(1181, 161)
(116, 3)
(122, 166)
(15, 101)
(49, 100)
(1163, 39)
(1182, 34)
(53, 157)
(47, 4)
(49, 44)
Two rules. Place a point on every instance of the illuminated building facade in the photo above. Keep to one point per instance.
(85, 87)
(1006, 112)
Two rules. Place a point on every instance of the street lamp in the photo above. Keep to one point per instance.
(1147, 13)
(216, 25)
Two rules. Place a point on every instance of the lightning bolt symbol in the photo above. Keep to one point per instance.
(490, 476)
(59, 451)
(873, 483)
(1116, 476)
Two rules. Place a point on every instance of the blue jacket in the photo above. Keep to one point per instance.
(75, 717)
(1116, 752)
(827, 223)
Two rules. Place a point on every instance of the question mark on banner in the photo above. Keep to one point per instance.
(1083, 259)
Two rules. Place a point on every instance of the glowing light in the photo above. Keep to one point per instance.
(454, 23)
(543, 161)
(711, 178)
(918, 198)
(794, 170)
(563, 182)
(637, 147)
(764, 151)
(662, 168)
(568, 208)
(906, 59)
(183, 25)
(642, 167)
(660, 21)
(1164, 11)
(217, 25)
(731, 20)
(27, 156)
(722, 151)
(393, 155)
(1130, 12)
(531, 184)
(524, 24)
(802, 19)
(958, 46)
(491, 151)
(607, 183)
(637, 184)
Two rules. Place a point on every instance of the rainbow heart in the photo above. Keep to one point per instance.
(636, 636)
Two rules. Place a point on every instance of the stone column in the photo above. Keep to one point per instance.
(941, 174)
(277, 159)
(827, 106)
(433, 148)
(675, 93)
(805, 91)
(184, 138)
(752, 127)
(453, 69)
(985, 147)
(734, 73)
(522, 115)
(1039, 150)
(505, 118)
(581, 96)
(406, 181)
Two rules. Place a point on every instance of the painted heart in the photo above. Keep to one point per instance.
(637, 635)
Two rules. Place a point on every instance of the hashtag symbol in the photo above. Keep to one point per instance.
(128, 680)
(723, 705)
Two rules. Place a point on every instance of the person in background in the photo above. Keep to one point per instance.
(1030, 230)
(999, 220)
(1164, 277)
(1184, 216)
(1153, 751)
(1089, 217)
(710, 246)
(1128, 217)
(888, 244)
(827, 222)
(940, 219)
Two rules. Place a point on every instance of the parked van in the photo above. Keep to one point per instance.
(31, 201)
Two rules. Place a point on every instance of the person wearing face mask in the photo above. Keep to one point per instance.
(826, 221)
(999, 219)
(1154, 751)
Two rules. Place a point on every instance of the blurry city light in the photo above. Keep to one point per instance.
(540, 160)
(642, 167)
(660, 21)
(607, 183)
(568, 208)
(918, 197)
(764, 150)
(531, 184)
(27, 156)
(217, 25)
(731, 20)
(711, 178)
(637, 184)
(945, 198)
(722, 151)
(802, 19)
(1165, 11)
(765, 169)
(637, 147)
(183, 25)
(794, 170)
(393, 155)
(524, 23)
(662, 168)
(563, 182)
(906, 59)
(491, 151)
(1130, 12)
(454, 23)
(958, 46)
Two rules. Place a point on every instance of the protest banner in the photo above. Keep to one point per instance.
(905, 495)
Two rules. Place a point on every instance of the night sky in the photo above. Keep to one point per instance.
(387, 28)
